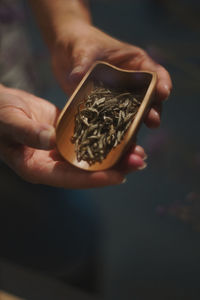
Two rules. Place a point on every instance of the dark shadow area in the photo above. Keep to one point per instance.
(48, 230)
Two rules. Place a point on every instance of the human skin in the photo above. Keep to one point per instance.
(27, 145)
(74, 44)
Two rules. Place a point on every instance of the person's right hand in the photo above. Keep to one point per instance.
(28, 145)
(79, 45)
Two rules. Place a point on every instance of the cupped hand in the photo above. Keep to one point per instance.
(78, 47)
(28, 145)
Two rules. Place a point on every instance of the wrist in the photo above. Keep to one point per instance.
(59, 18)
(68, 33)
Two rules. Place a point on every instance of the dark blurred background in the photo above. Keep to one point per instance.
(139, 240)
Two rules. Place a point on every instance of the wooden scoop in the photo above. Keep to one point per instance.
(142, 83)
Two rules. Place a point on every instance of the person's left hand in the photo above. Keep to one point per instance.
(28, 146)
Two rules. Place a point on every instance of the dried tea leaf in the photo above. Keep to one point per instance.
(102, 122)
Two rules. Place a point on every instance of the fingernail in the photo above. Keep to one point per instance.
(76, 72)
(143, 166)
(45, 138)
(124, 180)
(77, 69)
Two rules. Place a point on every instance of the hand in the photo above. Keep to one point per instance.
(27, 145)
(80, 44)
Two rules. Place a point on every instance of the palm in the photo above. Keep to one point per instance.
(47, 167)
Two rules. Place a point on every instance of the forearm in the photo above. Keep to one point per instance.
(59, 17)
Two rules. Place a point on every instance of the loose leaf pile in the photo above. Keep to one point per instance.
(101, 124)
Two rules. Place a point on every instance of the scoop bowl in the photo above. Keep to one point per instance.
(142, 83)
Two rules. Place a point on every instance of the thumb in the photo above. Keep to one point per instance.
(19, 128)
(82, 61)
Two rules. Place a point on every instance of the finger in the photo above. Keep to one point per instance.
(137, 59)
(164, 84)
(99, 179)
(133, 160)
(42, 167)
(18, 127)
(138, 150)
(84, 179)
(63, 174)
(30, 104)
(82, 59)
(153, 117)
